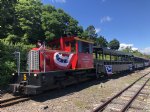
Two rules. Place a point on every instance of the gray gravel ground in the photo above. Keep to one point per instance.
(77, 98)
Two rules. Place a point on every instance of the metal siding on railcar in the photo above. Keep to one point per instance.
(108, 61)
(139, 63)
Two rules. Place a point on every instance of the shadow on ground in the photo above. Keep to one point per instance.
(69, 90)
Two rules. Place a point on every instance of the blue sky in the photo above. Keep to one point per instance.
(126, 20)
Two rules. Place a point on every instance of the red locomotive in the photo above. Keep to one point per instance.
(68, 60)
(65, 58)
(63, 54)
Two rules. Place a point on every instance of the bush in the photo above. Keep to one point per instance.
(8, 61)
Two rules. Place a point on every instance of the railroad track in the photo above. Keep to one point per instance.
(124, 100)
(13, 101)
(19, 99)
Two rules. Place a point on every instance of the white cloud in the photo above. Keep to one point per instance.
(97, 30)
(106, 19)
(124, 46)
(58, 1)
(145, 50)
(134, 48)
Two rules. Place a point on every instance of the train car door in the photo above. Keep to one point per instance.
(85, 54)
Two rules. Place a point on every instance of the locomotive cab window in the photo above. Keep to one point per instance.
(55, 46)
(85, 47)
(70, 46)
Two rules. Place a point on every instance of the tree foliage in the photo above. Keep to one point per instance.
(28, 14)
(101, 41)
(56, 23)
(27, 21)
(114, 44)
(7, 18)
(8, 61)
(91, 32)
(135, 52)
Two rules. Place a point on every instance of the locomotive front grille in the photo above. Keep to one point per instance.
(33, 60)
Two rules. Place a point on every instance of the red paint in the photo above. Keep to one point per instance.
(85, 60)
(77, 60)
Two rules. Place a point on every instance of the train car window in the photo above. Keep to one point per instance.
(73, 46)
(107, 57)
(67, 44)
(56, 47)
(85, 47)
(80, 46)
(113, 58)
(70, 45)
(119, 58)
(94, 56)
(90, 48)
(100, 56)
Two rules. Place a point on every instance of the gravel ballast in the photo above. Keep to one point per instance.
(77, 98)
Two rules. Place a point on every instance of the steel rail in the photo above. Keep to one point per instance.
(101, 107)
(7, 100)
(12, 101)
(126, 107)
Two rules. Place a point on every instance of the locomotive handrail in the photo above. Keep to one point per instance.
(18, 60)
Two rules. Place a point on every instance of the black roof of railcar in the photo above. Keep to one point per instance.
(109, 51)
(140, 58)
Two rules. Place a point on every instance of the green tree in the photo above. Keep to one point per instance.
(28, 14)
(27, 21)
(56, 23)
(7, 17)
(101, 41)
(114, 44)
(137, 53)
(85, 35)
(7, 60)
(52, 22)
(80, 31)
(91, 32)
(127, 50)
(72, 26)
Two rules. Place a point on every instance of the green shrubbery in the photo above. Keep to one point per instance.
(8, 61)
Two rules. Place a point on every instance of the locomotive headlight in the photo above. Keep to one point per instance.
(35, 75)
(24, 77)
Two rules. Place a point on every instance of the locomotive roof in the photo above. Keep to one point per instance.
(83, 40)
(109, 51)
(71, 39)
